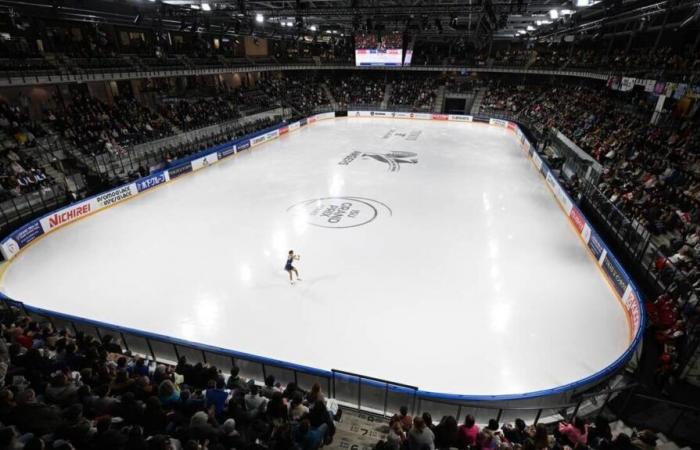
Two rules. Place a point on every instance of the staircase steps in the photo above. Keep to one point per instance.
(476, 106)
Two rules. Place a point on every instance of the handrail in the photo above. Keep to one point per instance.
(669, 402)
(379, 380)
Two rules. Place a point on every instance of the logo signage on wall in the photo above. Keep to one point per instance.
(152, 181)
(615, 274)
(632, 303)
(227, 152)
(66, 215)
(115, 196)
(460, 118)
(392, 159)
(339, 212)
(182, 169)
(20, 238)
(204, 161)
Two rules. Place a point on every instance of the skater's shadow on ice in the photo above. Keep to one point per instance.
(305, 284)
(311, 282)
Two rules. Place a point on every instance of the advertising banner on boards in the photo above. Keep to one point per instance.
(179, 169)
(151, 181)
(227, 152)
(204, 161)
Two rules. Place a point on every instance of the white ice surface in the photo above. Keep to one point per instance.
(476, 284)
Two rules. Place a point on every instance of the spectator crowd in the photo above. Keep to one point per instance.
(69, 391)
(421, 433)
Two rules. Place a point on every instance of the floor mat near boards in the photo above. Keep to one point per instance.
(358, 431)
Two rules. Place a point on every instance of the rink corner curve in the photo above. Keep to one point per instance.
(617, 278)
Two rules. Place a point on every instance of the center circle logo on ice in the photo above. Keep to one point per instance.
(339, 212)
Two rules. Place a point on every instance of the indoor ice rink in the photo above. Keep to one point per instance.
(432, 254)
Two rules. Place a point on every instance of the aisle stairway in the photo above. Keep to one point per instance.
(387, 95)
(359, 431)
(439, 99)
(329, 96)
(476, 106)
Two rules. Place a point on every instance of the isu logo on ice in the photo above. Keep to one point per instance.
(392, 159)
(338, 212)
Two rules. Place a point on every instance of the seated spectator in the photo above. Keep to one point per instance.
(255, 403)
(316, 394)
(447, 433)
(467, 432)
(216, 396)
(308, 437)
(270, 386)
(297, 409)
(515, 434)
(234, 381)
(404, 418)
(397, 438)
(420, 437)
(574, 433)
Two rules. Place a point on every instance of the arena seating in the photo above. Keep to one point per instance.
(414, 92)
(19, 173)
(73, 391)
(95, 127)
(357, 90)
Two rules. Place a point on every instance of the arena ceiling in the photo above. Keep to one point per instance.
(467, 20)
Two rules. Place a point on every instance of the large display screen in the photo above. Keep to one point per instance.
(373, 50)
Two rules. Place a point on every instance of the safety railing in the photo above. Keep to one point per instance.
(154, 154)
(374, 395)
(360, 392)
(15, 211)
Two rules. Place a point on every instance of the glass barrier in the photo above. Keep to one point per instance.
(371, 395)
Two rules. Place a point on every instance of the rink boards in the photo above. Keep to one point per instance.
(609, 266)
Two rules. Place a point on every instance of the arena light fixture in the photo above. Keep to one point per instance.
(553, 14)
(259, 18)
(206, 7)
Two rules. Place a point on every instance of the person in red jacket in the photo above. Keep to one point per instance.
(467, 432)
(576, 432)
